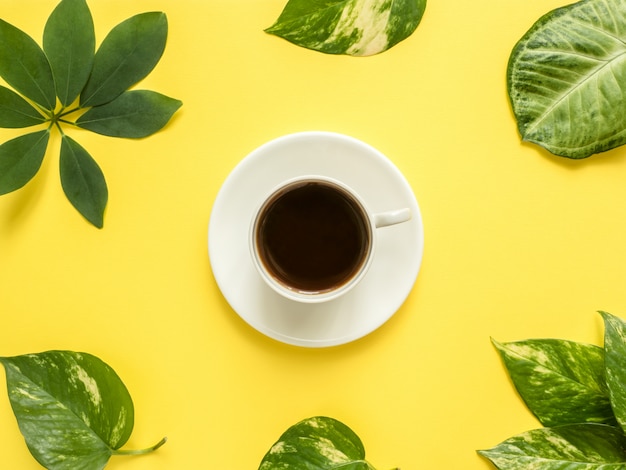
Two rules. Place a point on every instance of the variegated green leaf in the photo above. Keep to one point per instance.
(567, 79)
(317, 443)
(561, 382)
(128, 53)
(69, 43)
(352, 27)
(570, 447)
(83, 181)
(20, 159)
(615, 353)
(134, 114)
(16, 112)
(72, 408)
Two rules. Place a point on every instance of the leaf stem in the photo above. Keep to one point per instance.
(141, 451)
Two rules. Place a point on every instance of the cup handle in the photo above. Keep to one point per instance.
(385, 219)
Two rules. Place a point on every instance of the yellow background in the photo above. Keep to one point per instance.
(518, 243)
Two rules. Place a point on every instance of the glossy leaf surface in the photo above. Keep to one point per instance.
(561, 382)
(571, 447)
(20, 159)
(615, 351)
(83, 181)
(134, 114)
(317, 443)
(567, 79)
(25, 67)
(128, 53)
(72, 409)
(69, 43)
(15, 111)
(351, 27)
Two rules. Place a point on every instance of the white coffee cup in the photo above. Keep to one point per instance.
(312, 239)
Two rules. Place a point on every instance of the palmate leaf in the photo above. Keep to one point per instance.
(134, 114)
(16, 112)
(615, 353)
(20, 159)
(72, 408)
(561, 382)
(567, 79)
(69, 43)
(128, 53)
(351, 27)
(317, 443)
(83, 181)
(25, 67)
(571, 447)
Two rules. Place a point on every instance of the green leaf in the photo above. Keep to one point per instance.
(615, 359)
(83, 181)
(571, 447)
(351, 27)
(134, 114)
(69, 43)
(25, 67)
(72, 409)
(20, 159)
(561, 382)
(128, 53)
(567, 79)
(317, 443)
(16, 112)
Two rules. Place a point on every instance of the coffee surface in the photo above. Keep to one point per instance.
(313, 237)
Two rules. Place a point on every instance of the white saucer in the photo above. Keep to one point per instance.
(396, 261)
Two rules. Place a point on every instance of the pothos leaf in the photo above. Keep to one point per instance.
(567, 79)
(20, 159)
(351, 27)
(128, 53)
(25, 67)
(561, 382)
(134, 114)
(615, 352)
(15, 111)
(69, 43)
(83, 181)
(317, 443)
(573, 447)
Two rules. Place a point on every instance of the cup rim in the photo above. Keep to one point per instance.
(302, 296)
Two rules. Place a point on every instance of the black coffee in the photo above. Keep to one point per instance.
(313, 237)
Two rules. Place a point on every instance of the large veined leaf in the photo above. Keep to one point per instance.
(134, 114)
(15, 111)
(83, 181)
(20, 159)
(25, 67)
(571, 447)
(317, 443)
(352, 27)
(567, 79)
(561, 382)
(128, 53)
(69, 43)
(615, 352)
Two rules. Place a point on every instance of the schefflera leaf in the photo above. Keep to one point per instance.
(21, 158)
(72, 409)
(16, 112)
(561, 382)
(128, 54)
(585, 446)
(615, 352)
(317, 443)
(134, 114)
(350, 27)
(69, 43)
(566, 79)
(83, 181)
